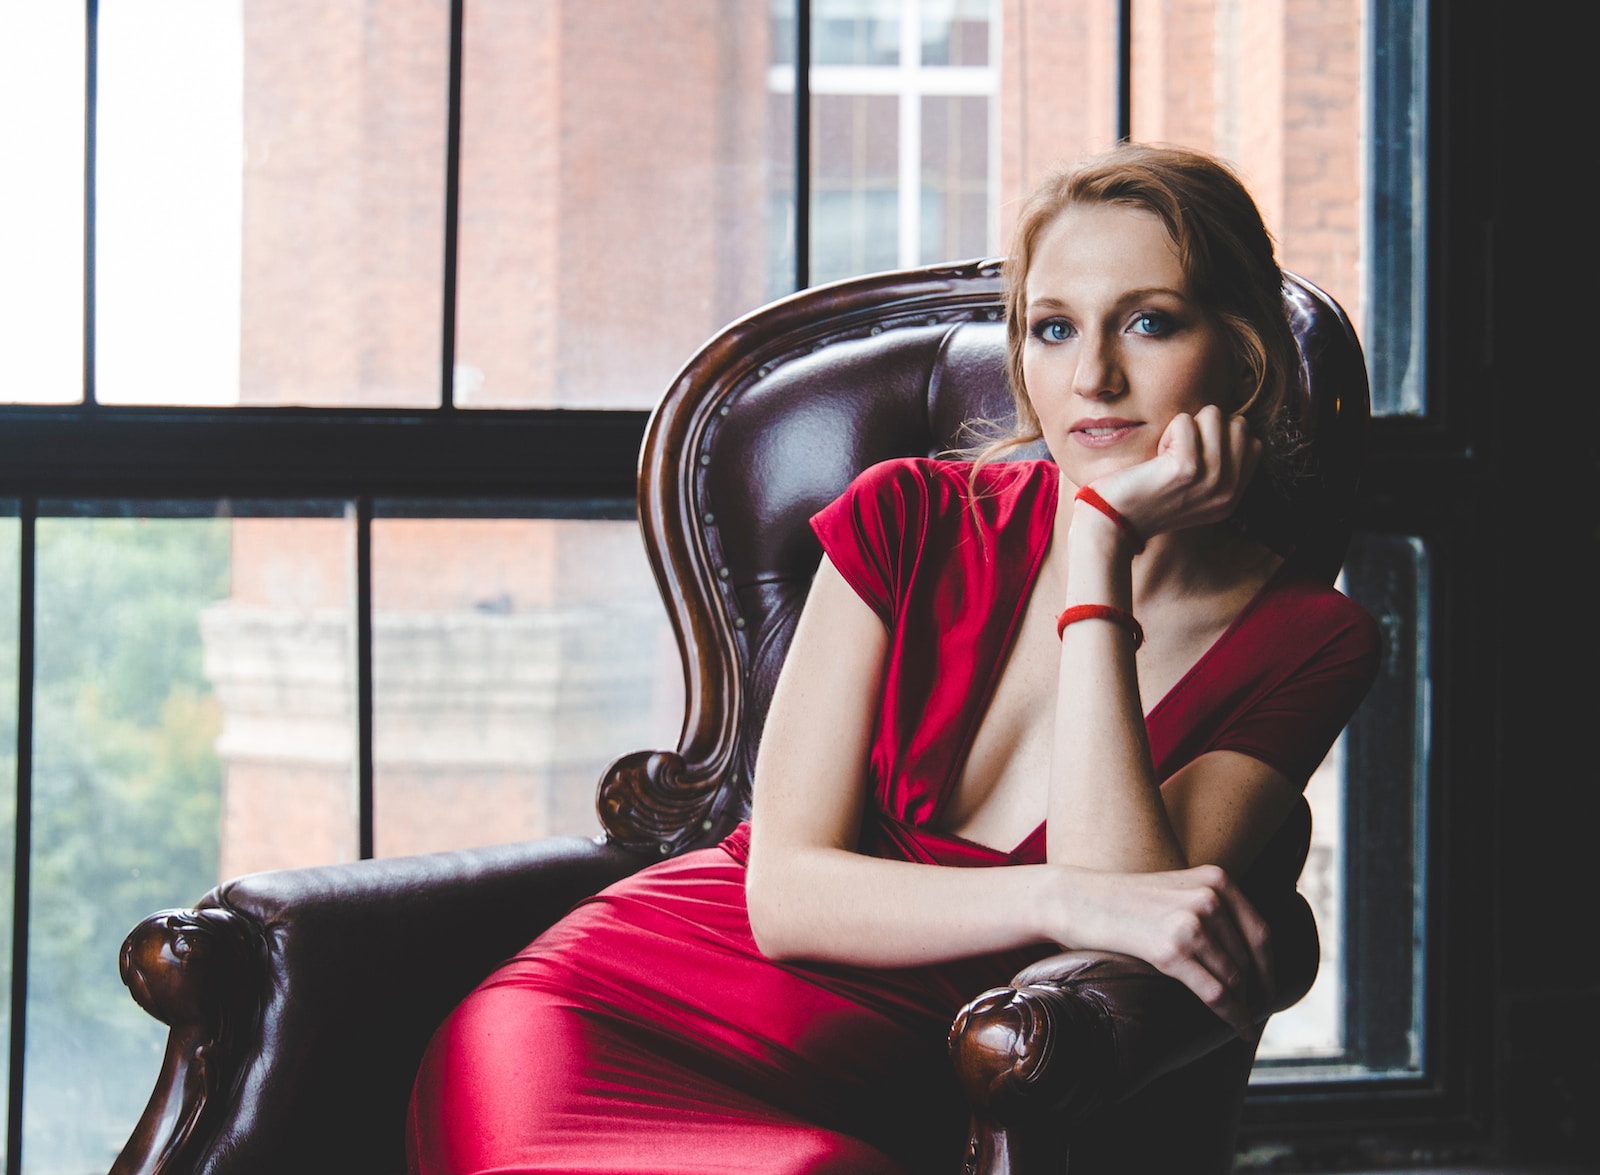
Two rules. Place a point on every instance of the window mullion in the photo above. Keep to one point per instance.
(452, 204)
(91, 41)
(22, 833)
(1124, 70)
(910, 156)
(363, 666)
(802, 144)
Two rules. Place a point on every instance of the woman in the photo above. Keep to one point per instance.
(1082, 659)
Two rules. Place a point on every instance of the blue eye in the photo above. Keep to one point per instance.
(1053, 330)
(1150, 323)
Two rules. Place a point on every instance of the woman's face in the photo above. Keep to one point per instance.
(1115, 347)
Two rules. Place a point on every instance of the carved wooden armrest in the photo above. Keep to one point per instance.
(1080, 1033)
(300, 1001)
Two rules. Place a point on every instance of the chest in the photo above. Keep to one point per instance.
(1001, 792)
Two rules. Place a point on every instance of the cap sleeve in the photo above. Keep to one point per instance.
(1292, 727)
(872, 531)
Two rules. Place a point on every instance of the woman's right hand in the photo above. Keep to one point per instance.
(1194, 925)
(1201, 468)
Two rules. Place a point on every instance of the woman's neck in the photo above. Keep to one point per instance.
(1200, 561)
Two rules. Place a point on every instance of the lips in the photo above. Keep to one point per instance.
(1100, 431)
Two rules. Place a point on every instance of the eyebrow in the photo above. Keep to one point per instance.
(1130, 297)
(1153, 291)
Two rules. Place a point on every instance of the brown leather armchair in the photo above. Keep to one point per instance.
(300, 1000)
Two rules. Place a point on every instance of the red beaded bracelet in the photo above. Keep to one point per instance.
(1118, 616)
(1088, 496)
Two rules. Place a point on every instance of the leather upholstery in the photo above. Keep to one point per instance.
(300, 1000)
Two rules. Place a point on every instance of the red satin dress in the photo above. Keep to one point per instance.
(645, 1032)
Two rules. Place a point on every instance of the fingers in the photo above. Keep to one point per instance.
(1218, 947)
(1203, 461)
(1180, 442)
(1193, 925)
(1228, 455)
(1214, 436)
(1245, 968)
(1258, 937)
(1216, 993)
(1238, 453)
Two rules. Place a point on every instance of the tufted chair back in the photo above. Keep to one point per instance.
(774, 418)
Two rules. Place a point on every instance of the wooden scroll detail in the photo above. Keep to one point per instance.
(1025, 1055)
(649, 802)
(663, 802)
(189, 969)
(1075, 1034)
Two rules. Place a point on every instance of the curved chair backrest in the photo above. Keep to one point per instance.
(774, 418)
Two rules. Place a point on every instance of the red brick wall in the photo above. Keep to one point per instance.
(1058, 91)
(1275, 87)
(613, 194)
(344, 113)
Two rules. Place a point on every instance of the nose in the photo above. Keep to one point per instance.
(1098, 375)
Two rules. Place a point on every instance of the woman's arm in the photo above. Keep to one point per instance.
(1176, 907)
(1107, 810)
(812, 896)
(1105, 807)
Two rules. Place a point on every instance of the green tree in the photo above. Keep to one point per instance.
(126, 788)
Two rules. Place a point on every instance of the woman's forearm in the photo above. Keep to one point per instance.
(1105, 808)
(809, 896)
(833, 905)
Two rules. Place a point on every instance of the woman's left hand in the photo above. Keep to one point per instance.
(1201, 467)
(1194, 925)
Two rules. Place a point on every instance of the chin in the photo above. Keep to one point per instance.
(1081, 469)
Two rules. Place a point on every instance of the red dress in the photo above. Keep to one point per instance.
(645, 1032)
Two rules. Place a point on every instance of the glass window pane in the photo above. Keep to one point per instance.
(41, 207)
(921, 155)
(955, 32)
(1385, 816)
(781, 206)
(855, 32)
(168, 179)
(1363, 875)
(1313, 1030)
(1395, 206)
(270, 201)
(10, 566)
(280, 655)
(167, 663)
(1319, 105)
(855, 185)
(512, 660)
(955, 178)
(126, 794)
(782, 20)
(613, 195)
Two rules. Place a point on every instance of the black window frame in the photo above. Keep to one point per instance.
(1432, 476)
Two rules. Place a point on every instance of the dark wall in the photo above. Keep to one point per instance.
(1505, 482)
(1538, 419)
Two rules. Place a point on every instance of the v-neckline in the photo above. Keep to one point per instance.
(1008, 642)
